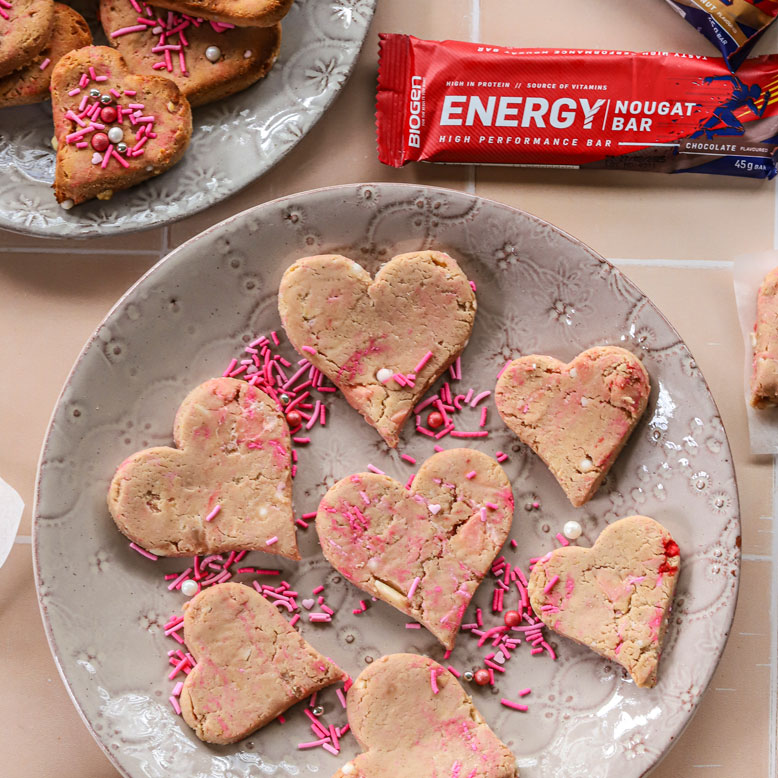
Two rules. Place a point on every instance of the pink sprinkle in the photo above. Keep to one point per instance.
(319, 617)
(444, 432)
(477, 399)
(514, 705)
(341, 697)
(214, 513)
(524, 692)
(309, 349)
(100, 79)
(514, 544)
(270, 541)
(484, 411)
(550, 585)
(562, 539)
(400, 379)
(130, 92)
(318, 589)
(294, 620)
(74, 92)
(454, 672)
(408, 458)
(177, 688)
(412, 589)
(181, 578)
(143, 552)
(411, 625)
(434, 680)
(501, 456)
(374, 469)
(425, 432)
(126, 30)
(176, 706)
(301, 440)
(313, 743)
(92, 74)
(115, 93)
(331, 749)
(46, 62)
(470, 475)
(423, 361)
(458, 434)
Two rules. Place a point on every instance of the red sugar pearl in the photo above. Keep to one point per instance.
(512, 618)
(108, 114)
(293, 419)
(100, 141)
(482, 677)
(435, 420)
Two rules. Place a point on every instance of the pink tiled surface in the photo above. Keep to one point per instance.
(675, 237)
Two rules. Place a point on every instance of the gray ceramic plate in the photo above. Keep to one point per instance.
(234, 140)
(538, 290)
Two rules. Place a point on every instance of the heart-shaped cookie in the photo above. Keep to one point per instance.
(207, 60)
(243, 13)
(226, 487)
(575, 417)
(113, 129)
(383, 342)
(411, 726)
(423, 550)
(613, 597)
(251, 665)
(31, 83)
(25, 30)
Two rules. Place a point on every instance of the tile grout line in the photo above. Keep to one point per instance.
(690, 264)
(76, 250)
(475, 34)
(773, 734)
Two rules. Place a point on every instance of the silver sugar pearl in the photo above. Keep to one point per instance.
(94, 93)
(318, 710)
(468, 675)
(284, 399)
(213, 53)
(121, 147)
(105, 99)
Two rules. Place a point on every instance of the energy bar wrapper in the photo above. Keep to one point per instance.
(733, 26)
(457, 102)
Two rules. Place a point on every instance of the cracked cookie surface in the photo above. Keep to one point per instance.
(251, 665)
(764, 376)
(576, 417)
(445, 531)
(362, 332)
(406, 730)
(614, 597)
(232, 453)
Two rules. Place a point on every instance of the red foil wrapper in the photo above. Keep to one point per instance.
(459, 102)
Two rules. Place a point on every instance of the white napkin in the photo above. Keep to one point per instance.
(749, 271)
(11, 508)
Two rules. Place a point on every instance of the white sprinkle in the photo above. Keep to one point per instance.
(584, 402)
(213, 53)
(115, 134)
(383, 375)
(67, 204)
(347, 768)
(149, 168)
(572, 530)
(585, 465)
(262, 512)
(434, 508)
(573, 373)
(189, 588)
(97, 158)
(247, 54)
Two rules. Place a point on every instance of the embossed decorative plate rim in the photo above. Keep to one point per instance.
(422, 210)
(262, 125)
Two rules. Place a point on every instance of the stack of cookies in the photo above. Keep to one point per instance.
(122, 112)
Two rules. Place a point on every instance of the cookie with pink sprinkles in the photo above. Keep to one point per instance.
(614, 597)
(413, 719)
(241, 13)
(226, 486)
(31, 83)
(251, 665)
(576, 417)
(382, 341)
(208, 60)
(26, 27)
(113, 128)
(422, 549)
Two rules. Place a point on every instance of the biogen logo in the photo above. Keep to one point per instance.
(414, 117)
